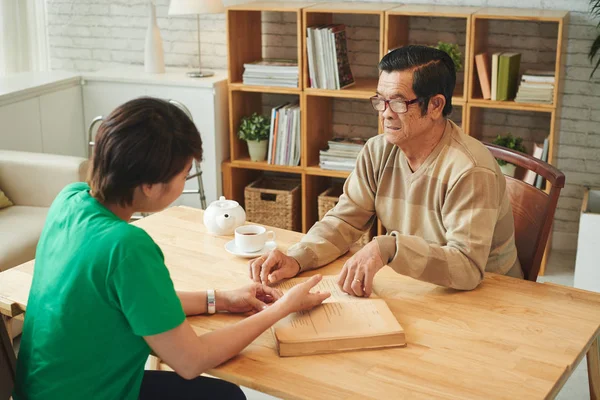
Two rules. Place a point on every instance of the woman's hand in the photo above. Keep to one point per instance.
(254, 297)
(299, 298)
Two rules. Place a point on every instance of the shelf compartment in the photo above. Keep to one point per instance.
(327, 117)
(427, 25)
(243, 103)
(263, 30)
(364, 31)
(537, 34)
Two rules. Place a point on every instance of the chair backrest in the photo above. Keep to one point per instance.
(8, 363)
(533, 209)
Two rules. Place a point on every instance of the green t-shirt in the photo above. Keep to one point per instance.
(99, 286)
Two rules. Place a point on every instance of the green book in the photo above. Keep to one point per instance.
(508, 75)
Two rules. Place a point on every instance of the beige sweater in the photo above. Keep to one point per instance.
(447, 222)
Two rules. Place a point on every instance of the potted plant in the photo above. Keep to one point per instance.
(453, 51)
(255, 131)
(513, 143)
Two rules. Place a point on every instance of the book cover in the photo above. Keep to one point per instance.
(346, 78)
(272, 62)
(494, 93)
(483, 71)
(537, 153)
(539, 180)
(508, 75)
(341, 323)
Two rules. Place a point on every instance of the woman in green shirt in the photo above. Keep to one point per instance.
(101, 296)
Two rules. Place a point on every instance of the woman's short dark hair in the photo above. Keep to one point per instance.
(434, 72)
(144, 141)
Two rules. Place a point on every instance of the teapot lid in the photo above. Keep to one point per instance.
(224, 204)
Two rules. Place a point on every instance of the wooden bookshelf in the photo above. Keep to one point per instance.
(245, 45)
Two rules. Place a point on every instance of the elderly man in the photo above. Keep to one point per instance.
(438, 192)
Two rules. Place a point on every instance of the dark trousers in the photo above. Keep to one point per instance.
(161, 385)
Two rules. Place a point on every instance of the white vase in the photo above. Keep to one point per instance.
(508, 169)
(154, 58)
(257, 150)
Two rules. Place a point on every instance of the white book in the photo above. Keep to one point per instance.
(495, 58)
(311, 62)
(539, 179)
(320, 58)
(530, 176)
(298, 137)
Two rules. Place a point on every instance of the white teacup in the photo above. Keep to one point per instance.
(252, 238)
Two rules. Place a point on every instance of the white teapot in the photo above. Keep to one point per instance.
(223, 216)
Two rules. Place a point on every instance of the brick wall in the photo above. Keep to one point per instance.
(93, 34)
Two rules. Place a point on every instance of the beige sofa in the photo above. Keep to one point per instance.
(31, 181)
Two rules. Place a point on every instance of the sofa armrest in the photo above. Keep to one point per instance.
(34, 179)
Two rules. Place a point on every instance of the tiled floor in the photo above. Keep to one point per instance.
(560, 270)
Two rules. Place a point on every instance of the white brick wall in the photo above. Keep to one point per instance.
(93, 34)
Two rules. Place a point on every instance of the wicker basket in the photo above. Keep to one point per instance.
(274, 202)
(328, 199)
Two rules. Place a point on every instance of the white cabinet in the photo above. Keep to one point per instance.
(42, 112)
(21, 128)
(206, 99)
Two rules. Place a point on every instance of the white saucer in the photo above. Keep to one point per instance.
(232, 249)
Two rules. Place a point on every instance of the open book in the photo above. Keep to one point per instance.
(342, 322)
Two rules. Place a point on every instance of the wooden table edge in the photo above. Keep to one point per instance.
(570, 369)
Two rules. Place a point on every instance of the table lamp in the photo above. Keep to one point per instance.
(187, 7)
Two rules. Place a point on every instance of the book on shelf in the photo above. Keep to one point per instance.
(284, 135)
(530, 176)
(328, 62)
(271, 72)
(539, 180)
(508, 76)
(536, 87)
(341, 323)
(341, 153)
(483, 71)
(494, 91)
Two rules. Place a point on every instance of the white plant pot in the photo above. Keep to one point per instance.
(508, 169)
(257, 149)
(154, 58)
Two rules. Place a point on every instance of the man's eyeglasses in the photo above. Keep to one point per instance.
(396, 105)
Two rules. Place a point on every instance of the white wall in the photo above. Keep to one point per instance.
(93, 34)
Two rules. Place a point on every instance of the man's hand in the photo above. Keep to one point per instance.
(273, 267)
(356, 277)
(253, 297)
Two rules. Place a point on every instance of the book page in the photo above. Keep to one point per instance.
(339, 320)
(327, 284)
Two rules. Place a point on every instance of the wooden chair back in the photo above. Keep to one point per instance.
(533, 209)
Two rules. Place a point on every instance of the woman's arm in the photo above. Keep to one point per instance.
(190, 355)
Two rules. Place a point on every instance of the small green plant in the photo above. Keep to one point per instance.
(255, 127)
(510, 142)
(453, 51)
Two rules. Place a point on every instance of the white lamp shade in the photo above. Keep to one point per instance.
(182, 7)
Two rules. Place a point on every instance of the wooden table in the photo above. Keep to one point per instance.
(508, 339)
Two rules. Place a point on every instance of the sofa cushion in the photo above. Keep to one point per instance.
(20, 230)
(4, 201)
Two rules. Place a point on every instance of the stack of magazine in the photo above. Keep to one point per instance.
(341, 154)
(536, 87)
(328, 64)
(271, 72)
(284, 137)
